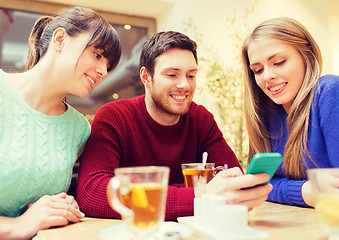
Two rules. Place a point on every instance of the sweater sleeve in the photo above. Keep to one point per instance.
(97, 164)
(286, 191)
(179, 202)
(329, 117)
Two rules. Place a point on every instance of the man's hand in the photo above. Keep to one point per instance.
(231, 184)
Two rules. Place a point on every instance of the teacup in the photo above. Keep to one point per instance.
(194, 171)
(325, 187)
(139, 195)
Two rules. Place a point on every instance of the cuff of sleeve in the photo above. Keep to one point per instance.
(179, 202)
(293, 192)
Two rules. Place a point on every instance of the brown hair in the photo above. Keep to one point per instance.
(291, 32)
(160, 43)
(75, 20)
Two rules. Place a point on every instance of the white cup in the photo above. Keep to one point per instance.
(231, 218)
(207, 206)
(198, 209)
(215, 215)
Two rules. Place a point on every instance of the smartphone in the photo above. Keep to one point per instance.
(266, 162)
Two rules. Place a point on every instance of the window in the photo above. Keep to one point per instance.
(17, 18)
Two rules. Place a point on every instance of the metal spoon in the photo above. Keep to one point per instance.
(204, 160)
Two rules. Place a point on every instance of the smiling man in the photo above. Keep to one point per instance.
(170, 86)
(161, 128)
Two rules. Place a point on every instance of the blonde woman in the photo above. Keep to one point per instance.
(41, 135)
(289, 108)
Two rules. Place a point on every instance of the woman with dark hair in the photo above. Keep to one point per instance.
(289, 108)
(41, 136)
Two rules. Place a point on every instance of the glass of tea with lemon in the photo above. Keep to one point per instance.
(325, 186)
(139, 195)
(200, 170)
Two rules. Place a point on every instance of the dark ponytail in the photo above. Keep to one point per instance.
(75, 20)
(35, 48)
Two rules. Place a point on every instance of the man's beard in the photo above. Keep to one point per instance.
(163, 105)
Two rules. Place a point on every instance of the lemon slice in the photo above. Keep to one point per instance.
(139, 197)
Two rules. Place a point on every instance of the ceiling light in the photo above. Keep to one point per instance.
(127, 26)
(115, 96)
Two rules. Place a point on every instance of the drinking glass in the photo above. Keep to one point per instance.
(139, 195)
(325, 187)
(196, 170)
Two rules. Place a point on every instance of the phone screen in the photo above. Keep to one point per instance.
(266, 162)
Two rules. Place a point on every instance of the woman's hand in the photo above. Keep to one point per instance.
(232, 183)
(328, 182)
(48, 211)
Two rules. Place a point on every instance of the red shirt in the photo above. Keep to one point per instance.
(124, 134)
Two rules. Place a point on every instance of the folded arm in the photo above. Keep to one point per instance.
(48, 211)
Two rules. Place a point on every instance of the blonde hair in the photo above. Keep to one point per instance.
(288, 31)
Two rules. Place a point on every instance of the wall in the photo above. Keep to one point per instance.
(319, 17)
(333, 20)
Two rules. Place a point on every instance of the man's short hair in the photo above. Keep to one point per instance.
(160, 43)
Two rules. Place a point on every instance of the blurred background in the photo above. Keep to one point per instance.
(218, 26)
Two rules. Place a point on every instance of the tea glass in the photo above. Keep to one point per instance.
(139, 195)
(325, 187)
(190, 170)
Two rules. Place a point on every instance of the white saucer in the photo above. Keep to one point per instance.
(121, 232)
(245, 234)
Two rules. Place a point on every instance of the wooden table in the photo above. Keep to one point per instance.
(279, 221)
(287, 222)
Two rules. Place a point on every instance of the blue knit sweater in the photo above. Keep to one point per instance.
(37, 151)
(323, 139)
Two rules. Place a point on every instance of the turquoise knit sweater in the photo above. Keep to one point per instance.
(37, 151)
